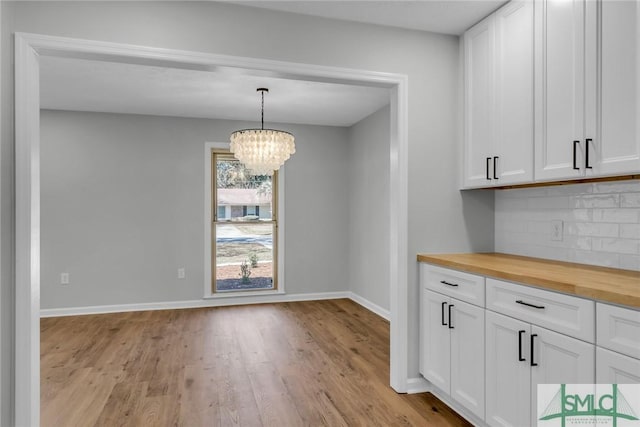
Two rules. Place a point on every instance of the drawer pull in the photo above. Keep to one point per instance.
(450, 323)
(532, 337)
(447, 283)
(520, 358)
(443, 322)
(539, 307)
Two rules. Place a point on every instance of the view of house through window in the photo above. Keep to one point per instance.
(244, 227)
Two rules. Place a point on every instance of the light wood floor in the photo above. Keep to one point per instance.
(293, 364)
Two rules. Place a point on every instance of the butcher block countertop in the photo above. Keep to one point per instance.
(598, 283)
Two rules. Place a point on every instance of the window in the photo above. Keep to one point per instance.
(244, 227)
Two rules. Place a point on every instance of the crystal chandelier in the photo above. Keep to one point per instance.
(262, 150)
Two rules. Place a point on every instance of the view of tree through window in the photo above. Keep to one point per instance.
(244, 226)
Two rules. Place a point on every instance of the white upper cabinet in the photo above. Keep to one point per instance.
(559, 89)
(498, 54)
(514, 93)
(478, 54)
(587, 89)
(613, 87)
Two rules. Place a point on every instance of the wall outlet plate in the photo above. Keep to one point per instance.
(181, 273)
(557, 227)
(64, 278)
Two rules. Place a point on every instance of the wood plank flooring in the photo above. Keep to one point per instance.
(319, 363)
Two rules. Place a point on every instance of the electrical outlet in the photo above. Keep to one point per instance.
(556, 230)
(181, 273)
(64, 278)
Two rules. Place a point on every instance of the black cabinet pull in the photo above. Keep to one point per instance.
(488, 161)
(532, 337)
(447, 283)
(575, 160)
(586, 156)
(495, 167)
(450, 323)
(539, 307)
(520, 358)
(443, 322)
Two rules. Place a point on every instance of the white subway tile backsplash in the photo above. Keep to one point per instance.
(630, 231)
(592, 229)
(630, 200)
(619, 246)
(595, 201)
(630, 262)
(601, 223)
(616, 215)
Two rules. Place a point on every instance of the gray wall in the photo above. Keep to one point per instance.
(123, 207)
(440, 218)
(368, 159)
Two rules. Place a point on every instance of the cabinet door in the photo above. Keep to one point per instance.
(613, 84)
(514, 93)
(558, 359)
(478, 119)
(559, 89)
(435, 339)
(467, 356)
(615, 368)
(508, 382)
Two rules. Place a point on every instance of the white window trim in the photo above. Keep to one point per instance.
(208, 271)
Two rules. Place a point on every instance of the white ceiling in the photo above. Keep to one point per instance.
(438, 16)
(87, 85)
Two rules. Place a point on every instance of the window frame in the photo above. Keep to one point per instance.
(211, 150)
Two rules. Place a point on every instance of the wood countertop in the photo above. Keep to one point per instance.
(598, 283)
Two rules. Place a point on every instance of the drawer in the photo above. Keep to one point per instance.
(457, 284)
(566, 314)
(618, 329)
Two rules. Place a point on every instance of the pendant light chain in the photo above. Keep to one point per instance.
(262, 118)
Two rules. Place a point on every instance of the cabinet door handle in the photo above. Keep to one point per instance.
(450, 323)
(443, 322)
(532, 337)
(520, 358)
(586, 156)
(539, 307)
(488, 162)
(447, 283)
(575, 159)
(495, 167)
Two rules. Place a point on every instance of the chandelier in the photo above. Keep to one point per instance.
(262, 150)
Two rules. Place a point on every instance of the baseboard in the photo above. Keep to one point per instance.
(385, 314)
(172, 305)
(418, 385)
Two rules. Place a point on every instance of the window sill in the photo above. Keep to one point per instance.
(220, 295)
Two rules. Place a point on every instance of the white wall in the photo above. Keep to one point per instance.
(122, 207)
(601, 223)
(368, 208)
(440, 217)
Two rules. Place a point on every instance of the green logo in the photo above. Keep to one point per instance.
(590, 404)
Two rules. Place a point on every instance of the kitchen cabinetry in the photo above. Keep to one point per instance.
(587, 89)
(452, 333)
(498, 54)
(528, 335)
(520, 355)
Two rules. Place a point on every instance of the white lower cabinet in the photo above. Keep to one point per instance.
(616, 368)
(519, 356)
(452, 349)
